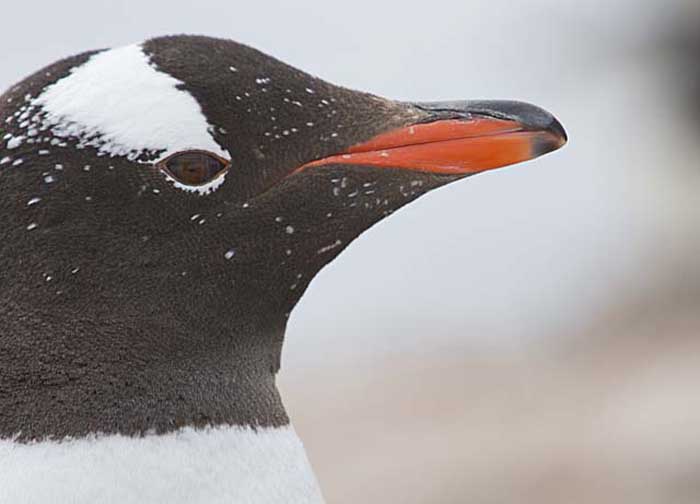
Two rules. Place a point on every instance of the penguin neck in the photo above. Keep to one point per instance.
(129, 368)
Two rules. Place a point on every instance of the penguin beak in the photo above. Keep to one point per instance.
(460, 138)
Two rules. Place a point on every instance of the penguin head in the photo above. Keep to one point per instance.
(192, 181)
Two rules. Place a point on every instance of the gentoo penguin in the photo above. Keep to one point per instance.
(165, 205)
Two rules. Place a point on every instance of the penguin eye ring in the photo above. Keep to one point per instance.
(194, 167)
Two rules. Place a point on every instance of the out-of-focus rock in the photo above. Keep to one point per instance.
(614, 423)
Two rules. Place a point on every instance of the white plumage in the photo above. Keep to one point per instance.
(225, 465)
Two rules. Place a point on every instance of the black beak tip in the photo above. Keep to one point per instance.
(553, 137)
(531, 117)
(558, 130)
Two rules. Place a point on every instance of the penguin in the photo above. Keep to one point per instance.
(165, 205)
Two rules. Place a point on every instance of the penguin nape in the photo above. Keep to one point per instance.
(165, 206)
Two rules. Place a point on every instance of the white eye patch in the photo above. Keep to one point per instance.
(119, 103)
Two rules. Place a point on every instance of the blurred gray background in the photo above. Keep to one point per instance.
(527, 335)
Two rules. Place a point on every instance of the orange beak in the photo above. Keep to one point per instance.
(460, 139)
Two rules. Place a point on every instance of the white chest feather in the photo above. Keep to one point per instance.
(229, 465)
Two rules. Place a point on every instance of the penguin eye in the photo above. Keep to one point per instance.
(193, 167)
